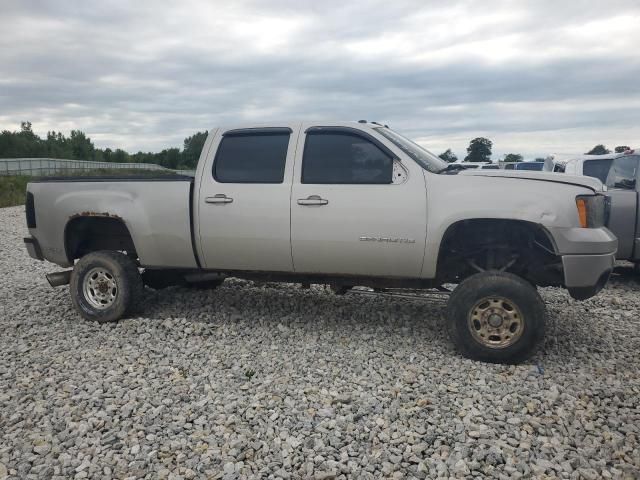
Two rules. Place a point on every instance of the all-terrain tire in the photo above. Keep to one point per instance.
(105, 286)
(496, 317)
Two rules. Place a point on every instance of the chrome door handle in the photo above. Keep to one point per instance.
(312, 200)
(219, 198)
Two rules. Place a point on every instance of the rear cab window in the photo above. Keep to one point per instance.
(252, 156)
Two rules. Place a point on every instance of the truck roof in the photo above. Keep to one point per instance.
(322, 122)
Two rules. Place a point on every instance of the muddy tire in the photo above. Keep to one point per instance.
(496, 317)
(105, 286)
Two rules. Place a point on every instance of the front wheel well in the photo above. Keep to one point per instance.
(516, 246)
(86, 234)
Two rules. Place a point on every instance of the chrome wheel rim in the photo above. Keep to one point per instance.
(100, 288)
(496, 322)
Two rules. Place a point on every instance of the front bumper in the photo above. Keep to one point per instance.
(588, 256)
(33, 247)
(586, 275)
(583, 241)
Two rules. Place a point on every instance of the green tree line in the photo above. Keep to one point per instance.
(479, 150)
(77, 146)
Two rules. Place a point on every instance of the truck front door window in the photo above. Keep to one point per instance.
(343, 158)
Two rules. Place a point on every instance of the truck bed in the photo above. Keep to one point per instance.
(155, 209)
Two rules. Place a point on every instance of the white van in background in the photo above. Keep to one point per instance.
(596, 166)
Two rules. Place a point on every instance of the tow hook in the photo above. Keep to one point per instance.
(58, 279)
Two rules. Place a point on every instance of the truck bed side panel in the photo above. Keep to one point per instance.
(155, 212)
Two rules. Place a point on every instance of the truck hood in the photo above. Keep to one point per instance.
(579, 180)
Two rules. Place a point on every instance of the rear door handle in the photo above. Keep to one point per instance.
(312, 200)
(219, 198)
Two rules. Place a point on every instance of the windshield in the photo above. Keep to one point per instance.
(530, 166)
(422, 156)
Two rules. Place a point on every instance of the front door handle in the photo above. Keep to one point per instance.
(219, 198)
(312, 200)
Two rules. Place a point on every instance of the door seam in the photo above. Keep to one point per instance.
(293, 172)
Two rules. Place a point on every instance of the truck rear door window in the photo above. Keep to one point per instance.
(251, 158)
(344, 158)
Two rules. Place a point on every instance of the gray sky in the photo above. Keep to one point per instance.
(534, 77)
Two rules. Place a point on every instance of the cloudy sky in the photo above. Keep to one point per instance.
(534, 77)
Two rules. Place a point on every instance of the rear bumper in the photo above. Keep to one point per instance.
(586, 275)
(33, 247)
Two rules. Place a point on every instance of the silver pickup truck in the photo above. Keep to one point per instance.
(345, 204)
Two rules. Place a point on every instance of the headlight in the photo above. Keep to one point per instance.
(593, 210)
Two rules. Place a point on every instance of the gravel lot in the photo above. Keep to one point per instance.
(272, 381)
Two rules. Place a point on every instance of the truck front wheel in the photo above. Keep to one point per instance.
(105, 286)
(496, 317)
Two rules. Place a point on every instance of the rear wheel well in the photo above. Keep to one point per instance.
(523, 248)
(89, 234)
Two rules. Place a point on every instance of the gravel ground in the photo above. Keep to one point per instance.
(273, 381)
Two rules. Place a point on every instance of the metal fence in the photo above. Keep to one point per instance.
(188, 173)
(55, 166)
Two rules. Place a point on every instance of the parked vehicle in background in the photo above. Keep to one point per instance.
(596, 166)
(478, 165)
(623, 183)
(345, 204)
(533, 166)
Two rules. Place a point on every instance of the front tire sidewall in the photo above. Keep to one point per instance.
(515, 290)
(122, 275)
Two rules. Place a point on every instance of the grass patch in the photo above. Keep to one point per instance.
(13, 188)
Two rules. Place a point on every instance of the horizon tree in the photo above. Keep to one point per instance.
(479, 150)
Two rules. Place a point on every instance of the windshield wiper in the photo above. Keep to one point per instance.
(452, 167)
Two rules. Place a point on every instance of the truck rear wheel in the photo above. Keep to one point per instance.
(496, 317)
(105, 286)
